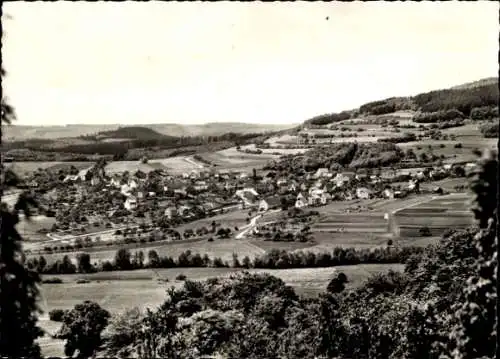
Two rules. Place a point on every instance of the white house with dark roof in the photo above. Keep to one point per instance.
(269, 203)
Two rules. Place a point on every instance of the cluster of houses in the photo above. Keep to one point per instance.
(211, 192)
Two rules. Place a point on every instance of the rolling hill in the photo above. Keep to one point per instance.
(463, 98)
(20, 133)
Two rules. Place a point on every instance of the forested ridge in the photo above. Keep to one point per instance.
(477, 102)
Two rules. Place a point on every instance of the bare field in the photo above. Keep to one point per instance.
(178, 164)
(28, 167)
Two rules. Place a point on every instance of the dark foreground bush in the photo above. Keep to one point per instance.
(52, 281)
(57, 315)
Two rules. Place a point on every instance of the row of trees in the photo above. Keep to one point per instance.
(438, 116)
(274, 259)
(389, 105)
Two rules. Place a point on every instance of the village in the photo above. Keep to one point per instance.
(92, 208)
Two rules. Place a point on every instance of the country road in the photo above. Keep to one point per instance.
(253, 223)
(248, 227)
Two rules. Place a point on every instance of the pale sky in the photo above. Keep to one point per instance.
(133, 63)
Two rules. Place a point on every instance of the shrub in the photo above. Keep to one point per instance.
(490, 130)
(54, 280)
(425, 231)
(82, 281)
(181, 277)
(57, 315)
(458, 145)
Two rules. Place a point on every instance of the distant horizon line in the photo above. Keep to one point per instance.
(159, 123)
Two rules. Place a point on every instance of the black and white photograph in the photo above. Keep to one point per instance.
(249, 180)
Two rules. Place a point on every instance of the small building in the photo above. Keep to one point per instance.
(388, 193)
(130, 203)
(269, 203)
(363, 193)
(321, 172)
(301, 197)
(200, 186)
(300, 203)
(340, 179)
(171, 212)
(325, 198)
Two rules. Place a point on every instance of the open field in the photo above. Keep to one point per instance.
(130, 166)
(286, 246)
(229, 219)
(447, 184)
(28, 167)
(439, 214)
(29, 228)
(327, 241)
(231, 159)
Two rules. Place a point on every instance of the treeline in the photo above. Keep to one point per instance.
(340, 156)
(274, 259)
(407, 137)
(119, 149)
(463, 100)
(480, 102)
(386, 106)
(484, 113)
(438, 116)
(326, 119)
(490, 130)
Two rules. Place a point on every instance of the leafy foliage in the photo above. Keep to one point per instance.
(490, 129)
(340, 155)
(18, 284)
(82, 328)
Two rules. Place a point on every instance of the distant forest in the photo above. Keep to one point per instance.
(476, 102)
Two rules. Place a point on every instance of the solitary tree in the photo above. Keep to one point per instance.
(82, 328)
